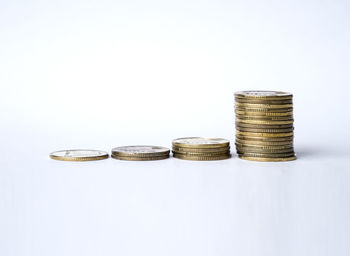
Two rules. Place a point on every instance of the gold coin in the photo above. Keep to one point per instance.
(264, 126)
(199, 142)
(244, 129)
(191, 154)
(264, 110)
(263, 106)
(263, 139)
(258, 94)
(200, 150)
(265, 118)
(140, 151)
(263, 159)
(201, 158)
(79, 155)
(131, 158)
(257, 143)
(264, 122)
(252, 113)
(267, 155)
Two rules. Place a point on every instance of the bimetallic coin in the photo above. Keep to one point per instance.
(244, 129)
(264, 143)
(267, 155)
(265, 118)
(264, 110)
(263, 159)
(200, 150)
(256, 94)
(262, 147)
(199, 142)
(264, 101)
(138, 158)
(265, 126)
(264, 122)
(263, 114)
(191, 154)
(201, 158)
(245, 150)
(140, 150)
(267, 106)
(264, 139)
(254, 134)
(79, 155)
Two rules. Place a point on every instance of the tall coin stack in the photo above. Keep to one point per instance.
(264, 126)
(201, 149)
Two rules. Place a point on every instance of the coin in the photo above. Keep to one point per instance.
(201, 158)
(264, 159)
(256, 94)
(263, 110)
(264, 146)
(140, 151)
(200, 150)
(79, 155)
(263, 139)
(265, 126)
(265, 118)
(264, 122)
(253, 134)
(264, 101)
(245, 150)
(264, 143)
(200, 142)
(191, 154)
(138, 158)
(260, 113)
(244, 129)
(267, 155)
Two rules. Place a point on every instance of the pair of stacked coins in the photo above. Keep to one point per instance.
(201, 149)
(140, 153)
(264, 125)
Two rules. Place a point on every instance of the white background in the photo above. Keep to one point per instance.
(101, 74)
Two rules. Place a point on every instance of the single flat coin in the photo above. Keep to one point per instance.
(264, 122)
(140, 150)
(199, 142)
(263, 114)
(263, 106)
(201, 158)
(256, 94)
(135, 158)
(79, 155)
(263, 159)
(200, 150)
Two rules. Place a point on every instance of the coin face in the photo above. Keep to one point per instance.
(79, 155)
(263, 94)
(200, 142)
(140, 150)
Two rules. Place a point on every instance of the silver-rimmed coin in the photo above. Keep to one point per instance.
(79, 155)
(140, 151)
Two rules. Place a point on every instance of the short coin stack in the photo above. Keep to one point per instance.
(201, 149)
(264, 126)
(140, 153)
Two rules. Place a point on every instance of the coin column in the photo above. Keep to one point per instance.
(264, 126)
